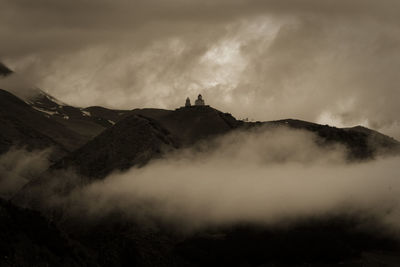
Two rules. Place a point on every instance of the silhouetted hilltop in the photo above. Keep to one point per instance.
(144, 135)
(361, 143)
(191, 124)
(149, 133)
(382, 144)
(132, 142)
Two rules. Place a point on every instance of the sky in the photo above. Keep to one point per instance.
(329, 61)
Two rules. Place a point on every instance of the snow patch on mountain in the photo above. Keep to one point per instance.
(86, 113)
(46, 111)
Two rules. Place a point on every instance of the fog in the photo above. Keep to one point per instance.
(272, 176)
(218, 193)
(265, 176)
(18, 166)
(20, 85)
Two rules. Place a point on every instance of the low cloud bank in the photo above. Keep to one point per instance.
(269, 176)
(264, 176)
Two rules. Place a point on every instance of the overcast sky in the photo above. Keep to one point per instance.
(328, 61)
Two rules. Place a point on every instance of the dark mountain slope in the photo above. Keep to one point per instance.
(337, 241)
(137, 138)
(191, 124)
(79, 124)
(381, 143)
(145, 134)
(44, 121)
(132, 142)
(111, 115)
(361, 144)
(87, 122)
(28, 239)
(20, 119)
(16, 133)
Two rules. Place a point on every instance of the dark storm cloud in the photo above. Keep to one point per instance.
(329, 61)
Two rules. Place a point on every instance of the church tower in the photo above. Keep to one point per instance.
(199, 101)
(187, 103)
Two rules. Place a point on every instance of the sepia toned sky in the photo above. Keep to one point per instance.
(327, 61)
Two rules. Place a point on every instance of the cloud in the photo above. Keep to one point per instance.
(326, 61)
(18, 167)
(263, 177)
(19, 85)
(214, 194)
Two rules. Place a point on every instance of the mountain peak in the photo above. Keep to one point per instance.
(190, 124)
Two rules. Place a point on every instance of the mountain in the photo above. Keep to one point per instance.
(146, 134)
(361, 143)
(381, 143)
(143, 135)
(39, 121)
(132, 142)
(26, 127)
(191, 124)
(117, 140)
(51, 122)
(88, 122)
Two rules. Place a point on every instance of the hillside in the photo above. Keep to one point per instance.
(26, 127)
(88, 122)
(149, 133)
(41, 121)
(361, 143)
(132, 142)
(191, 124)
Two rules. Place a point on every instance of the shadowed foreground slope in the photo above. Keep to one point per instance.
(28, 239)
